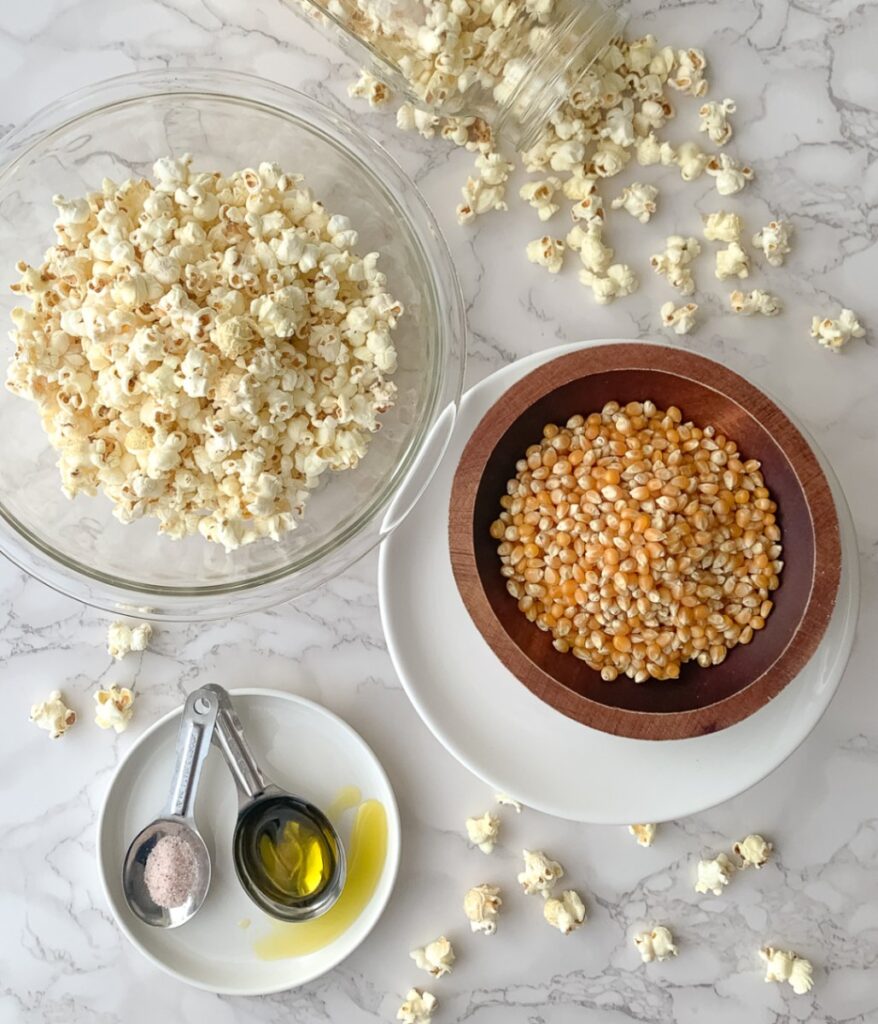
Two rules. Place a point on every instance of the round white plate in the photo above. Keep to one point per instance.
(305, 749)
(496, 727)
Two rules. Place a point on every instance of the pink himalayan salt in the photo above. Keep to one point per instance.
(170, 872)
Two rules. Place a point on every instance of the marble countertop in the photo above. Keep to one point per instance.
(802, 73)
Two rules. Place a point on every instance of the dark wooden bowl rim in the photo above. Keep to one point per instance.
(821, 586)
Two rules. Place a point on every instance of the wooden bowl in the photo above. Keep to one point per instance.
(702, 700)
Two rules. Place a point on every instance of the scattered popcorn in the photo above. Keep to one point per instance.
(674, 262)
(691, 159)
(657, 944)
(566, 913)
(589, 209)
(732, 262)
(418, 1007)
(436, 958)
(730, 176)
(482, 907)
(835, 334)
(370, 88)
(648, 150)
(547, 252)
(483, 832)
(638, 199)
(53, 715)
(580, 186)
(757, 301)
(789, 967)
(588, 242)
(714, 875)
(753, 850)
(723, 227)
(115, 707)
(122, 638)
(540, 872)
(204, 348)
(774, 241)
(644, 834)
(714, 119)
(540, 194)
(486, 192)
(681, 319)
(507, 801)
(619, 281)
(688, 74)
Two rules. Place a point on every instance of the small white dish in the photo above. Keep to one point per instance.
(519, 745)
(304, 748)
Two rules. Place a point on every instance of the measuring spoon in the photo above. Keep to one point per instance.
(193, 742)
(264, 811)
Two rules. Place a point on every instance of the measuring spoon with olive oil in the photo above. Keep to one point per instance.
(288, 856)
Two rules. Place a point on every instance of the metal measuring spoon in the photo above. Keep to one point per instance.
(193, 742)
(260, 804)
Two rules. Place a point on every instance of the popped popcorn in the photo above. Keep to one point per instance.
(714, 119)
(732, 262)
(753, 850)
(115, 706)
(680, 318)
(547, 252)
(757, 301)
(674, 262)
(730, 176)
(690, 158)
(507, 801)
(540, 872)
(482, 907)
(688, 73)
(774, 241)
(723, 227)
(418, 1008)
(714, 875)
(638, 199)
(835, 334)
(540, 195)
(789, 967)
(588, 242)
(657, 944)
(204, 348)
(618, 281)
(53, 715)
(122, 639)
(486, 192)
(484, 831)
(644, 834)
(436, 958)
(370, 88)
(566, 913)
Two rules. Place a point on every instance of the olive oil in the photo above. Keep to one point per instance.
(367, 852)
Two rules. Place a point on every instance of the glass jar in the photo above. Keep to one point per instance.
(510, 62)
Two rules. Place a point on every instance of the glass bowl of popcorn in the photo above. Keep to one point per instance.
(208, 357)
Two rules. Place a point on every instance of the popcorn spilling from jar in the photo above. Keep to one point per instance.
(465, 59)
(203, 348)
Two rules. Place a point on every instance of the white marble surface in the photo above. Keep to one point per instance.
(804, 78)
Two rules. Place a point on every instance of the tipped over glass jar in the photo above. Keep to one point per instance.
(509, 62)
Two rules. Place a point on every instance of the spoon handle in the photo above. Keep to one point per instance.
(193, 742)
(229, 736)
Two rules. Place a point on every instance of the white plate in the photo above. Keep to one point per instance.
(304, 748)
(496, 727)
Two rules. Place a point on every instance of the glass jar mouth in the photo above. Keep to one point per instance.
(546, 85)
(442, 340)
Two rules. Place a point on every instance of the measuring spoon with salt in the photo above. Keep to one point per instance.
(168, 861)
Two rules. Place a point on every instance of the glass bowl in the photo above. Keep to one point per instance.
(228, 121)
